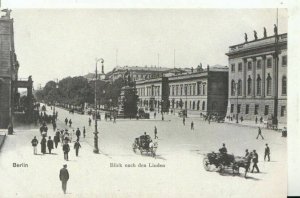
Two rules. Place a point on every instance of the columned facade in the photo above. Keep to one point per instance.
(263, 79)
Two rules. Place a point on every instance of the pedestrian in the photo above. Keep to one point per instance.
(248, 157)
(256, 120)
(114, 119)
(78, 133)
(154, 115)
(70, 123)
(259, 133)
(34, 143)
(267, 153)
(76, 147)
(56, 139)
(155, 133)
(50, 144)
(43, 145)
(64, 177)
(192, 125)
(54, 125)
(90, 121)
(83, 132)
(261, 120)
(242, 119)
(66, 149)
(255, 161)
(66, 121)
(183, 120)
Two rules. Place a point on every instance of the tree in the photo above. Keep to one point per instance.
(130, 102)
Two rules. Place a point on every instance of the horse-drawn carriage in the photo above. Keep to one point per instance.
(145, 145)
(219, 162)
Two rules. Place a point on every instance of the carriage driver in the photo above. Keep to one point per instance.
(223, 152)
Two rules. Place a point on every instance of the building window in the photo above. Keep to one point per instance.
(203, 105)
(269, 62)
(269, 85)
(267, 110)
(239, 108)
(204, 89)
(258, 64)
(283, 86)
(199, 87)
(247, 109)
(231, 108)
(181, 90)
(240, 67)
(284, 61)
(258, 84)
(232, 67)
(282, 111)
(256, 109)
(239, 89)
(173, 90)
(198, 105)
(232, 88)
(249, 66)
(249, 85)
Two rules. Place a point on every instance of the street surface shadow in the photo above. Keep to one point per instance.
(160, 157)
(240, 175)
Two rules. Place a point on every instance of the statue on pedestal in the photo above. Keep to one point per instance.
(265, 32)
(255, 35)
(246, 38)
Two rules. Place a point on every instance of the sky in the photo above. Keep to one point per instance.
(55, 43)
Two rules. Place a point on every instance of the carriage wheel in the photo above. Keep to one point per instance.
(134, 148)
(207, 165)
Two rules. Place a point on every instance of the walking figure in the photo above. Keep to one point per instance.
(114, 119)
(70, 123)
(267, 153)
(54, 126)
(248, 157)
(256, 119)
(76, 147)
(192, 125)
(34, 143)
(66, 121)
(43, 145)
(154, 115)
(50, 144)
(261, 120)
(259, 133)
(56, 138)
(155, 133)
(183, 120)
(66, 149)
(255, 161)
(83, 132)
(64, 177)
(90, 121)
(78, 133)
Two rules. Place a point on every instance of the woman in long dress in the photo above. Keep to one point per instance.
(43, 145)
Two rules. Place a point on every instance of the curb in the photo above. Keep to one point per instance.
(2, 141)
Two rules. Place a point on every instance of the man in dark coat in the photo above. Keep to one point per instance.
(34, 143)
(66, 149)
(56, 138)
(70, 123)
(192, 125)
(155, 133)
(76, 147)
(64, 177)
(78, 133)
(66, 121)
(255, 161)
(267, 152)
(50, 144)
(43, 145)
(90, 121)
(83, 132)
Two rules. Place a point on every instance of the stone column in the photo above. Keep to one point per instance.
(245, 78)
(254, 77)
(263, 67)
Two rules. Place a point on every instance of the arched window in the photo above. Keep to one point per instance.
(232, 88)
(198, 105)
(249, 85)
(258, 84)
(239, 90)
(283, 86)
(269, 85)
(193, 105)
(203, 105)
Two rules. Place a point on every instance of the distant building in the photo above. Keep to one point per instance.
(203, 91)
(257, 79)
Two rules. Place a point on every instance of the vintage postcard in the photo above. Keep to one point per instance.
(144, 102)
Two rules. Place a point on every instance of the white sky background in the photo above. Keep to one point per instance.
(55, 43)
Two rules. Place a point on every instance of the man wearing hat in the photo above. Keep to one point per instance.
(255, 161)
(267, 152)
(64, 177)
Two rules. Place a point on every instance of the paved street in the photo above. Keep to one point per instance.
(180, 150)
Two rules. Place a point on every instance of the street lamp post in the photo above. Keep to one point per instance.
(54, 114)
(96, 149)
(186, 100)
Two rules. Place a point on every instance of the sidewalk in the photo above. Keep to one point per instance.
(2, 137)
(251, 123)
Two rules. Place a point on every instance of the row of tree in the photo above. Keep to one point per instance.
(77, 91)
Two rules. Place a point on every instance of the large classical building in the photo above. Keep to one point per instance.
(9, 66)
(258, 79)
(203, 91)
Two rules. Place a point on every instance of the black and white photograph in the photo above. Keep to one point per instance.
(144, 102)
